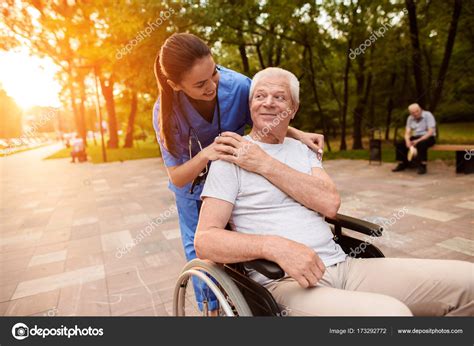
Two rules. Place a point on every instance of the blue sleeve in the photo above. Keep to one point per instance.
(248, 118)
(168, 159)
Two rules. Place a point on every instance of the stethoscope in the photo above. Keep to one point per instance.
(192, 134)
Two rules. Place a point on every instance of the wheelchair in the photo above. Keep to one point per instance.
(238, 295)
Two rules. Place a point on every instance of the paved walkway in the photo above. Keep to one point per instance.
(78, 239)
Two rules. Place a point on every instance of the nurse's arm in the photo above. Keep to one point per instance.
(314, 141)
(185, 173)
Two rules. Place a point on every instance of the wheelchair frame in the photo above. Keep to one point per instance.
(238, 295)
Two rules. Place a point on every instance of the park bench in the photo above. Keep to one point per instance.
(464, 155)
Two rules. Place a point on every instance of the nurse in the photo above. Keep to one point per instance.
(198, 100)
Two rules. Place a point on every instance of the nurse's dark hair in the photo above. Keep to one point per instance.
(177, 56)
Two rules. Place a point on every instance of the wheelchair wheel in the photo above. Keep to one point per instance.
(230, 300)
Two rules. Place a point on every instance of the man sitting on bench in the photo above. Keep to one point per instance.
(274, 193)
(423, 125)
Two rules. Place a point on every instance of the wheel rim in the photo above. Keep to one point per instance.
(180, 293)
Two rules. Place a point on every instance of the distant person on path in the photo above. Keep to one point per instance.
(78, 150)
(420, 133)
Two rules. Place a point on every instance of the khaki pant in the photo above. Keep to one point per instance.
(382, 287)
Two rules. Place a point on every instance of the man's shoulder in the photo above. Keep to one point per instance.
(428, 114)
(295, 145)
(221, 167)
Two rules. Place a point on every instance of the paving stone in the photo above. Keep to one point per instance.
(60, 231)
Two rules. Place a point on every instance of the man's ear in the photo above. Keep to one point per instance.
(173, 85)
(296, 111)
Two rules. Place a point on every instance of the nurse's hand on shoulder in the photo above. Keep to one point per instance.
(245, 154)
(211, 152)
(314, 141)
(215, 150)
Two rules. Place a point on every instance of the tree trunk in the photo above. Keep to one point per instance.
(416, 52)
(316, 97)
(243, 53)
(131, 120)
(107, 86)
(447, 54)
(82, 108)
(79, 121)
(429, 72)
(279, 50)
(333, 91)
(343, 145)
(245, 59)
(271, 46)
(372, 110)
(362, 96)
(388, 122)
(260, 57)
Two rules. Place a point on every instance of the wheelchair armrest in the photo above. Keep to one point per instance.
(270, 269)
(356, 225)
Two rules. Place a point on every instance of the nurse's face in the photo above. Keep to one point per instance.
(200, 82)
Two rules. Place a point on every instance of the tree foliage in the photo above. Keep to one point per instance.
(360, 62)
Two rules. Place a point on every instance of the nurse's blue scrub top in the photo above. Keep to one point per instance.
(233, 94)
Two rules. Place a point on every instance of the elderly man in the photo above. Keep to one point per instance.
(420, 133)
(274, 193)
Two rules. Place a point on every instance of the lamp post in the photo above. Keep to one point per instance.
(99, 113)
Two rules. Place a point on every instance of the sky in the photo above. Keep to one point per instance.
(29, 80)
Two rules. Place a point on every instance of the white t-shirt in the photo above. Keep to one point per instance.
(261, 208)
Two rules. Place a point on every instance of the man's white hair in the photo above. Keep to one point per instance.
(278, 72)
(414, 106)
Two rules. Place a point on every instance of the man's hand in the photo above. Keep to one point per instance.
(296, 259)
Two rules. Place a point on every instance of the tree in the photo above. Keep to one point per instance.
(10, 117)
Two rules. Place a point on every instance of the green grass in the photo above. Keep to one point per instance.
(388, 154)
(141, 150)
(457, 133)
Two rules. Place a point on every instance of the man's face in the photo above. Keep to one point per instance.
(415, 112)
(271, 104)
